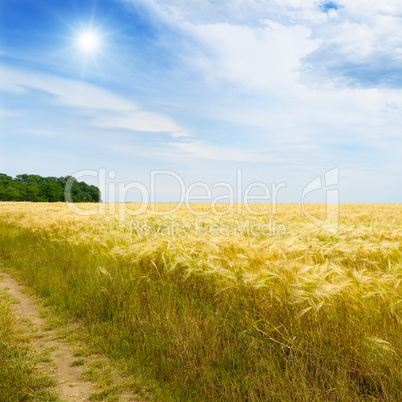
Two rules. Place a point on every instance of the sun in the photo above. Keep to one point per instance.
(88, 41)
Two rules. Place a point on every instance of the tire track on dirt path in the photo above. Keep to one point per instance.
(69, 385)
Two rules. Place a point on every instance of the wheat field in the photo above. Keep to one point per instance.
(224, 302)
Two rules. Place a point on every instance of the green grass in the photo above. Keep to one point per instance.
(107, 394)
(80, 353)
(188, 337)
(78, 362)
(19, 377)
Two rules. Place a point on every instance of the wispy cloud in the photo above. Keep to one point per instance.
(6, 113)
(105, 108)
(66, 92)
(140, 121)
(197, 149)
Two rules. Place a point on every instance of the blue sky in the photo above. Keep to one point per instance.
(284, 90)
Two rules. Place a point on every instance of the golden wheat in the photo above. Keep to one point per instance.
(362, 259)
(355, 274)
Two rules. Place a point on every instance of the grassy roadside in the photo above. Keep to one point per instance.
(19, 378)
(201, 343)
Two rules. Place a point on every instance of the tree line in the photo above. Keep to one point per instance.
(35, 188)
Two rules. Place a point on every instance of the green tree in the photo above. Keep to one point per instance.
(36, 179)
(52, 192)
(13, 193)
(22, 178)
(32, 192)
(5, 179)
(95, 193)
(36, 188)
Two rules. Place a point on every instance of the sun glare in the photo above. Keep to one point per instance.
(88, 41)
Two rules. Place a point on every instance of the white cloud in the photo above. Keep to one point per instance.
(140, 121)
(237, 12)
(5, 113)
(180, 135)
(200, 150)
(265, 62)
(42, 133)
(106, 108)
(359, 42)
(67, 92)
(258, 58)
